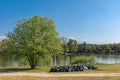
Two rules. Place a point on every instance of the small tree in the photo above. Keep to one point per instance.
(33, 38)
(73, 46)
(64, 44)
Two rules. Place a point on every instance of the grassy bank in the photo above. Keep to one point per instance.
(108, 68)
(24, 69)
(101, 68)
(59, 78)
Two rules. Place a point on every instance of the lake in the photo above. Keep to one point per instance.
(5, 62)
(65, 60)
(105, 59)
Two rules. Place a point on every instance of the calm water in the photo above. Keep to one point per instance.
(65, 60)
(106, 59)
(5, 62)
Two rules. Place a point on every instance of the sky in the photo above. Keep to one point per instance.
(91, 21)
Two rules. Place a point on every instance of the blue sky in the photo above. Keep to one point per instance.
(92, 21)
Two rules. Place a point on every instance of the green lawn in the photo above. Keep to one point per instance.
(107, 68)
(101, 68)
(24, 69)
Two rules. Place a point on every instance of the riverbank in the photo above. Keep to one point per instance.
(102, 68)
(104, 72)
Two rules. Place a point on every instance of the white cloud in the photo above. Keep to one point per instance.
(2, 37)
(71, 38)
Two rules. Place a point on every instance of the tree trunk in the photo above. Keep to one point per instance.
(33, 66)
(32, 62)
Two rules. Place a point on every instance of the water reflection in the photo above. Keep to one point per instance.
(60, 60)
(6, 61)
(105, 59)
(64, 60)
(108, 59)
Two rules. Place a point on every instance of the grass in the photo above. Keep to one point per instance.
(24, 69)
(108, 68)
(102, 68)
(58, 78)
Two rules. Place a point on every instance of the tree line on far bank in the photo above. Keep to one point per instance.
(71, 46)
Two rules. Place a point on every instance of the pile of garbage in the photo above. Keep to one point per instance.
(73, 68)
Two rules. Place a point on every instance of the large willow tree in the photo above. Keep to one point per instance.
(33, 38)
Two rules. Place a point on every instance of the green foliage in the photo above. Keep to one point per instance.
(83, 60)
(33, 38)
(23, 62)
(98, 49)
(64, 44)
(73, 46)
(3, 46)
(45, 60)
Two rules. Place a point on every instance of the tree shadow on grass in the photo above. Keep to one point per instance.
(9, 70)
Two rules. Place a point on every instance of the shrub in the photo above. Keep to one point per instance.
(83, 60)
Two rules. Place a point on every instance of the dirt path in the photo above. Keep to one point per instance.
(43, 74)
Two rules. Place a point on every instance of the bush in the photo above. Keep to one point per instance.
(44, 60)
(83, 60)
